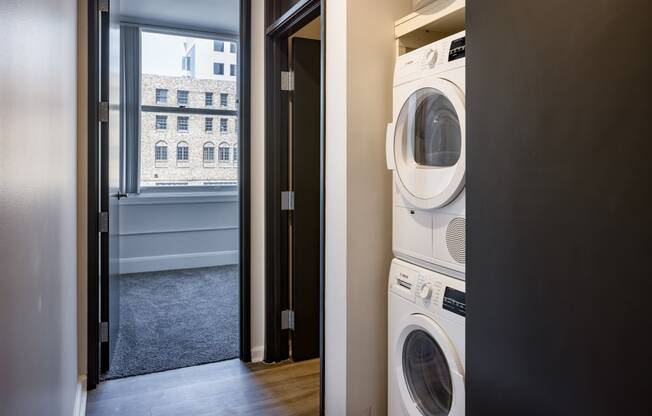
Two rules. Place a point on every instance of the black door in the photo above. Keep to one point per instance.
(559, 190)
(110, 182)
(305, 164)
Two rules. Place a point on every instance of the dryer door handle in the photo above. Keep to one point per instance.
(389, 147)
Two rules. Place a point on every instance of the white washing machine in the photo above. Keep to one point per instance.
(426, 150)
(426, 342)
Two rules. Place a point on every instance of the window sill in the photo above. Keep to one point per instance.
(180, 196)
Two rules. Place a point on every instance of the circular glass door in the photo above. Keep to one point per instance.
(429, 145)
(427, 374)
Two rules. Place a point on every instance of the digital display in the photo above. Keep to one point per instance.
(457, 49)
(455, 301)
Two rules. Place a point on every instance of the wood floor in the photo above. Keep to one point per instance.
(226, 388)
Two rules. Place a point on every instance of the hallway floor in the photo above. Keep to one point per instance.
(226, 388)
(176, 318)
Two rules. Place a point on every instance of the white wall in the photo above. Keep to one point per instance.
(38, 351)
(257, 179)
(178, 231)
(359, 67)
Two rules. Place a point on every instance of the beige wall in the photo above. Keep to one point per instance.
(257, 178)
(38, 341)
(82, 182)
(359, 68)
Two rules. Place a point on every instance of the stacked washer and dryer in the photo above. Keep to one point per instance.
(426, 150)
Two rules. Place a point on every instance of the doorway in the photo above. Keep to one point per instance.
(168, 184)
(294, 157)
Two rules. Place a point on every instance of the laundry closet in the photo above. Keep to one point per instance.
(426, 152)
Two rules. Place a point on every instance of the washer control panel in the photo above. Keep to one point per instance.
(439, 293)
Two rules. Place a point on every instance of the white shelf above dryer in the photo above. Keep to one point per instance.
(433, 22)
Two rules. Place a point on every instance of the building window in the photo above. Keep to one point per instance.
(161, 96)
(208, 124)
(236, 155)
(218, 68)
(161, 122)
(224, 99)
(223, 152)
(182, 152)
(182, 123)
(209, 152)
(232, 70)
(186, 63)
(182, 97)
(224, 125)
(208, 100)
(161, 152)
(233, 48)
(218, 46)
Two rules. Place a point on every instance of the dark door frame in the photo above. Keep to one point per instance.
(93, 189)
(276, 173)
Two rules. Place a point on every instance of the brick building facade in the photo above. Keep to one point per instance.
(185, 148)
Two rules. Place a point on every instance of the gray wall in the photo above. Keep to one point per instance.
(177, 231)
(38, 354)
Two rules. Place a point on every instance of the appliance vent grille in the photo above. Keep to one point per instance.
(456, 239)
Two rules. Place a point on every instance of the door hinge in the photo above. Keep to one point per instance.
(104, 332)
(287, 319)
(287, 81)
(103, 222)
(287, 201)
(103, 111)
(103, 5)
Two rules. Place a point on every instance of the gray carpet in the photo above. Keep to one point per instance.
(177, 318)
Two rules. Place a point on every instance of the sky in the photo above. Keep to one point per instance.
(161, 54)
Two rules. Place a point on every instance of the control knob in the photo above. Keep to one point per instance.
(426, 291)
(431, 57)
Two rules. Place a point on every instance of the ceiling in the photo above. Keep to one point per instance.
(206, 15)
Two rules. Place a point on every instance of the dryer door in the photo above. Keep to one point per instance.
(428, 369)
(429, 145)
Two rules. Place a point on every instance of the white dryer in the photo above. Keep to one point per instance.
(426, 150)
(426, 342)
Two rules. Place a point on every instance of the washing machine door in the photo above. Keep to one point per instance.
(429, 371)
(427, 149)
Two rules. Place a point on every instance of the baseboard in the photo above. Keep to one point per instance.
(257, 354)
(80, 397)
(178, 261)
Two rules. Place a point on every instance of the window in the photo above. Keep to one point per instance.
(232, 47)
(182, 97)
(224, 152)
(182, 123)
(182, 152)
(218, 68)
(218, 46)
(236, 155)
(161, 122)
(186, 63)
(209, 152)
(232, 70)
(161, 152)
(180, 114)
(161, 96)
